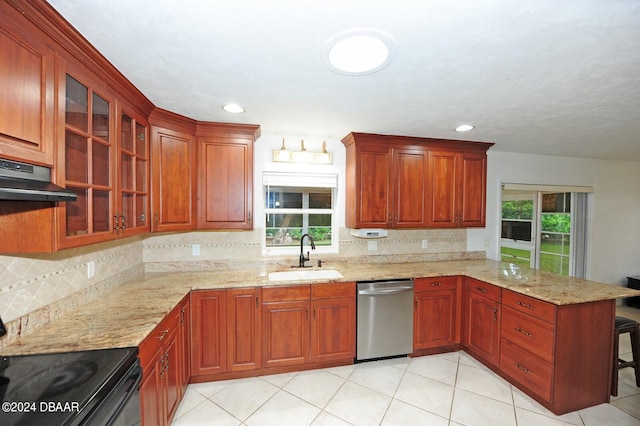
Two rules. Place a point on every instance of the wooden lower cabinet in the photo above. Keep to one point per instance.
(208, 332)
(558, 354)
(162, 359)
(238, 332)
(285, 325)
(333, 322)
(310, 324)
(436, 314)
(243, 329)
(481, 328)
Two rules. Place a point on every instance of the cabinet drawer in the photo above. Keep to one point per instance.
(436, 283)
(535, 307)
(481, 288)
(333, 290)
(533, 335)
(286, 293)
(152, 343)
(530, 371)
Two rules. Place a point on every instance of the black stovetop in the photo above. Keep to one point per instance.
(58, 388)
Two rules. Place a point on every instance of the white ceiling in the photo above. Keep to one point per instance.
(534, 76)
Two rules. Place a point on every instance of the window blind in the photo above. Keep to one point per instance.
(303, 180)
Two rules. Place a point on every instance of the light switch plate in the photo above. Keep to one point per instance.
(425, 243)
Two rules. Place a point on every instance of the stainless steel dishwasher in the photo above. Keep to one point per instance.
(385, 319)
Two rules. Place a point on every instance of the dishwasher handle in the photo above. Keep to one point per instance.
(385, 291)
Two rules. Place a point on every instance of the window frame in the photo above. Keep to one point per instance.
(307, 186)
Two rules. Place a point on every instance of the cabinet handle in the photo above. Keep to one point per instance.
(155, 220)
(438, 284)
(416, 302)
(257, 301)
(495, 314)
(314, 314)
(521, 331)
(307, 312)
(122, 225)
(526, 370)
(524, 305)
(162, 334)
(166, 362)
(482, 290)
(249, 216)
(116, 228)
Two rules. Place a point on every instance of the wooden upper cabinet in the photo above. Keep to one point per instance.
(368, 188)
(410, 187)
(87, 160)
(173, 172)
(225, 175)
(407, 182)
(457, 189)
(27, 65)
(132, 206)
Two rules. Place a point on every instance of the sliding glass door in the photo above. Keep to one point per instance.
(544, 230)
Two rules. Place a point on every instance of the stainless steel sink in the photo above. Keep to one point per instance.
(305, 274)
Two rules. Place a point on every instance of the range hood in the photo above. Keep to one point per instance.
(28, 182)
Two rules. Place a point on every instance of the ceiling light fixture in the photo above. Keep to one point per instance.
(464, 128)
(359, 52)
(233, 108)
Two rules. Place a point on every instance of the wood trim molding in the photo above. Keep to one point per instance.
(61, 32)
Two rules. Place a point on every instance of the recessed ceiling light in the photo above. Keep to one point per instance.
(464, 128)
(359, 52)
(233, 108)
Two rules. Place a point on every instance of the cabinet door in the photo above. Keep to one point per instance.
(333, 329)
(225, 183)
(472, 189)
(410, 188)
(87, 163)
(483, 327)
(208, 332)
(435, 322)
(243, 329)
(441, 204)
(285, 333)
(185, 344)
(132, 210)
(28, 90)
(369, 200)
(171, 374)
(151, 408)
(173, 156)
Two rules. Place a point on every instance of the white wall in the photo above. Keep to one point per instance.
(614, 241)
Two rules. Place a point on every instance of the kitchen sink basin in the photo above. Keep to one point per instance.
(305, 274)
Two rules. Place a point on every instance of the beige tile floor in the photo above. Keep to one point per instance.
(448, 389)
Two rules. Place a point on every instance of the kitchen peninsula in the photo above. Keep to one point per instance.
(574, 316)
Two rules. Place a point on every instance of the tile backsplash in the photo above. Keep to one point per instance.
(37, 289)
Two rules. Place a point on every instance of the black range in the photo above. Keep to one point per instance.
(94, 387)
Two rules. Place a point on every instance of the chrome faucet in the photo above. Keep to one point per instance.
(302, 258)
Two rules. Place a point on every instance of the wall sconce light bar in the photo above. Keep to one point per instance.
(283, 155)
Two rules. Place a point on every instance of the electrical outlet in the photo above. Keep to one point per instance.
(372, 245)
(424, 244)
(91, 269)
(195, 249)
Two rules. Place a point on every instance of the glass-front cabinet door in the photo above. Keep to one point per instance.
(88, 161)
(132, 215)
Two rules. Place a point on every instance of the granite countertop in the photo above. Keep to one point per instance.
(124, 317)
